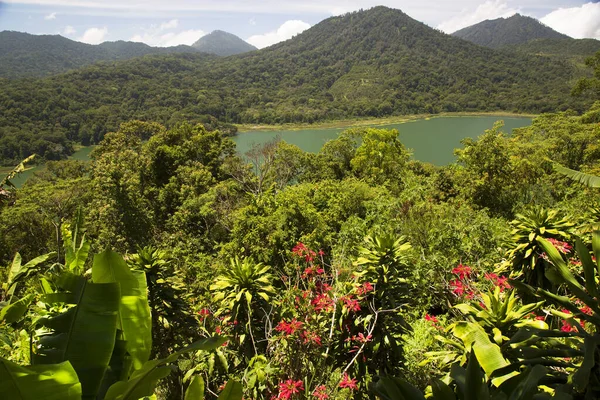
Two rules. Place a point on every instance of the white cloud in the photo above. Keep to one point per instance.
(286, 31)
(577, 22)
(94, 35)
(50, 16)
(170, 38)
(169, 25)
(491, 9)
(69, 30)
(163, 36)
(252, 21)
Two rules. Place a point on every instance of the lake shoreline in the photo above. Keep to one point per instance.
(354, 123)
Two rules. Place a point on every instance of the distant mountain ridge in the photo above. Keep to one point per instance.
(513, 30)
(222, 43)
(26, 55)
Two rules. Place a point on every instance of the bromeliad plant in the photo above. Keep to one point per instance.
(243, 292)
(580, 315)
(382, 263)
(524, 261)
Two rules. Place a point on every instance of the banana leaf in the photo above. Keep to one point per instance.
(13, 312)
(134, 319)
(144, 380)
(581, 177)
(84, 334)
(48, 382)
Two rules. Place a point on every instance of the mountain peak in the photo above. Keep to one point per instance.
(222, 43)
(516, 29)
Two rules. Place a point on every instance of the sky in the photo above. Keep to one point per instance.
(265, 22)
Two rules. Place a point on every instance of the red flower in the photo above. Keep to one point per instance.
(457, 287)
(204, 312)
(365, 288)
(299, 249)
(322, 302)
(289, 388)
(431, 318)
(289, 328)
(321, 252)
(499, 281)
(566, 327)
(346, 382)
(463, 271)
(320, 392)
(586, 310)
(310, 337)
(562, 247)
(351, 304)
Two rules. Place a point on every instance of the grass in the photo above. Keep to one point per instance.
(355, 122)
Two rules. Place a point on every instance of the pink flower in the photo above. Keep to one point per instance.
(346, 382)
(562, 247)
(288, 388)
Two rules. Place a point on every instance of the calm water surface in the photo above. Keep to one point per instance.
(432, 140)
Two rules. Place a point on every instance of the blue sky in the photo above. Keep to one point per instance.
(262, 23)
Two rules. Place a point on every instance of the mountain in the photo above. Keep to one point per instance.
(500, 32)
(558, 47)
(222, 44)
(26, 55)
(369, 63)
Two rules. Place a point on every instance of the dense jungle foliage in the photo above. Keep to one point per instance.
(171, 267)
(355, 272)
(371, 63)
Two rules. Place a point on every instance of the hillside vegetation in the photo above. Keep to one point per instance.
(372, 63)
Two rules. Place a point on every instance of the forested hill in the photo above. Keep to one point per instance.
(500, 32)
(222, 44)
(26, 55)
(370, 63)
(558, 47)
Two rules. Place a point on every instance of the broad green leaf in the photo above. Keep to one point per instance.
(441, 391)
(47, 382)
(14, 311)
(85, 333)
(144, 380)
(581, 377)
(134, 319)
(232, 391)
(195, 390)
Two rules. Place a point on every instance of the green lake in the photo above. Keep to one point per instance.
(431, 140)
